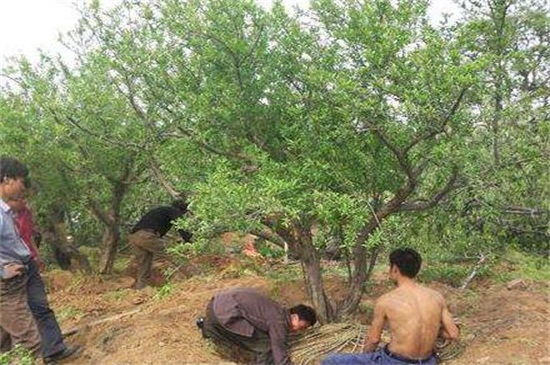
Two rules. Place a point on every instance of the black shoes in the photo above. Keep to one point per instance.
(200, 323)
(61, 355)
(200, 326)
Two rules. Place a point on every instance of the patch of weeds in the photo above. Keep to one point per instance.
(68, 313)
(269, 250)
(169, 271)
(18, 355)
(285, 274)
(121, 264)
(164, 291)
(92, 253)
(117, 295)
(274, 291)
(470, 300)
(242, 269)
(78, 281)
(452, 275)
(336, 269)
(533, 267)
(366, 309)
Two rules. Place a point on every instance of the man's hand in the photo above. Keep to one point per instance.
(12, 270)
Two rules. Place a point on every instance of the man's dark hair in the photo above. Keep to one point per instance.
(11, 168)
(180, 203)
(305, 313)
(407, 260)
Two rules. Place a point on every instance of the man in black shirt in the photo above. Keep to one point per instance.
(146, 236)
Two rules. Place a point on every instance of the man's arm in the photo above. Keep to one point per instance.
(448, 327)
(185, 236)
(375, 330)
(278, 341)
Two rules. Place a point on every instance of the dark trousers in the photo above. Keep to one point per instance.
(17, 325)
(50, 333)
(258, 345)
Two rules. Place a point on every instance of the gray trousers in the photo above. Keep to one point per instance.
(258, 346)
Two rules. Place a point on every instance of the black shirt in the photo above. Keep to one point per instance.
(160, 220)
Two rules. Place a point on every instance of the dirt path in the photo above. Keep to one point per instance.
(503, 326)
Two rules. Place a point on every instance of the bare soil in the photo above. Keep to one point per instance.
(157, 325)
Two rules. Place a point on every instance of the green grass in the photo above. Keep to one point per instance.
(452, 275)
(118, 295)
(284, 273)
(164, 291)
(18, 355)
(68, 312)
(527, 266)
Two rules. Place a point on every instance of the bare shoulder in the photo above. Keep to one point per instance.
(389, 299)
(436, 295)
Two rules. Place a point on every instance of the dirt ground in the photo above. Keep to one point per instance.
(157, 325)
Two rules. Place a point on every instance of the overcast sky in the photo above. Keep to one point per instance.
(27, 25)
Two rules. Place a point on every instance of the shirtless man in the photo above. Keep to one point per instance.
(416, 316)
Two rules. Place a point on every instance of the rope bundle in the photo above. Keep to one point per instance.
(313, 345)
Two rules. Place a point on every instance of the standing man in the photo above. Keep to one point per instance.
(17, 324)
(147, 237)
(53, 346)
(245, 318)
(416, 316)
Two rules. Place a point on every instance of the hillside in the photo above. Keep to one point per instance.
(157, 325)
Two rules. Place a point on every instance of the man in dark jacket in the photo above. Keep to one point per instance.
(248, 319)
(147, 237)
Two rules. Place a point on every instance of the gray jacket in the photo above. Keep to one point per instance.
(12, 248)
(244, 310)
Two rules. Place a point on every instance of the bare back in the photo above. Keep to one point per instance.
(414, 314)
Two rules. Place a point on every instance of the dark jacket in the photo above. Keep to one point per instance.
(244, 310)
(160, 220)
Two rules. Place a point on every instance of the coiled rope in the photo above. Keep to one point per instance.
(310, 347)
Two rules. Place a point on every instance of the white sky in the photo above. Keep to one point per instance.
(29, 25)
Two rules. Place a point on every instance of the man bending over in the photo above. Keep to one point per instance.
(245, 318)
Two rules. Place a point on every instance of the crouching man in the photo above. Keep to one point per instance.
(245, 318)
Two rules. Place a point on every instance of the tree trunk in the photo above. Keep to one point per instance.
(300, 243)
(311, 267)
(109, 243)
(66, 254)
(361, 272)
(111, 220)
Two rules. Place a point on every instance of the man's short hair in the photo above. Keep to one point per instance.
(11, 168)
(407, 260)
(305, 313)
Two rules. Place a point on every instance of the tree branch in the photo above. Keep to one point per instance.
(98, 212)
(160, 178)
(435, 199)
(187, 134)
(439, 130)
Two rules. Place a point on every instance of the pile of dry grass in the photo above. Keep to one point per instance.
(313, 345)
